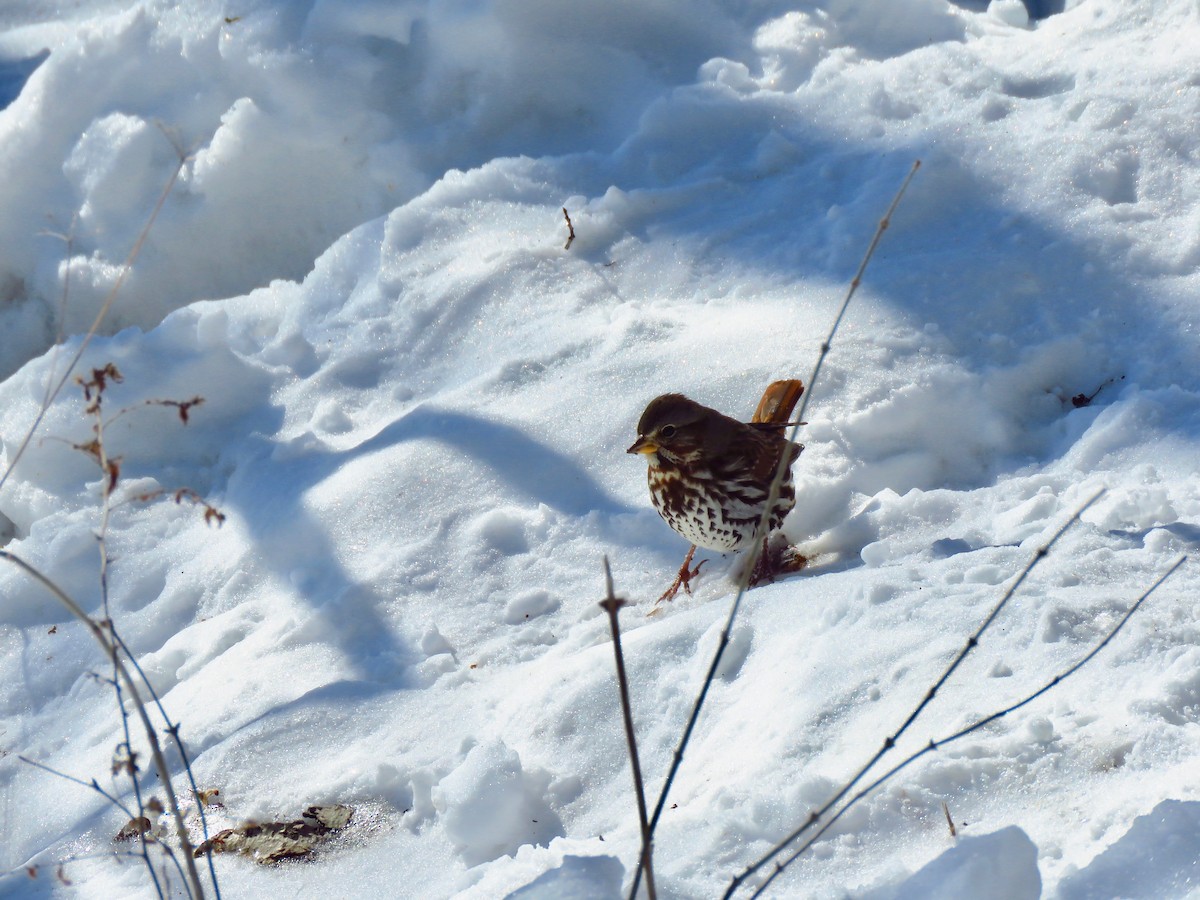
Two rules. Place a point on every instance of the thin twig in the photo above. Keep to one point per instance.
(890, 742)
(100, 316)
(611, 604)
(970, 729)
(570, 230)
(949, 819)
(98, 450)
(90, 785)
(118, 644)
(781, 469)
(99, 453)
(772, 496)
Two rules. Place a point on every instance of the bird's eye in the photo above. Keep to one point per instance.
(667, 431)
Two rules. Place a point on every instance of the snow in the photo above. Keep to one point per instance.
(416, 406)
(1002, 865)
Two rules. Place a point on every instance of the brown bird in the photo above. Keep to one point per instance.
(710, 474)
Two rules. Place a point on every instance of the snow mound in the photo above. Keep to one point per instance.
(998, 866)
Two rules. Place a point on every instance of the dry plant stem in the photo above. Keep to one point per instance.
(173, 730)
(118, 644)
(890, 742)
(772, 496)
(102, 544)
(144, 852)
(100, 316)
(611, 604)
(970, 729)
(160, 763)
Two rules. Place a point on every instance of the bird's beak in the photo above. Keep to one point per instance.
(643, 445)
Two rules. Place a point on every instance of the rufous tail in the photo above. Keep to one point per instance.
(778, 401)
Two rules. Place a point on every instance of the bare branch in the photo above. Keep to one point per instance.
(890, 742)
(970, 729)
(91, 785)
(611, 605)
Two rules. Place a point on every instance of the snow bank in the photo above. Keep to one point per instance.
(295, 125)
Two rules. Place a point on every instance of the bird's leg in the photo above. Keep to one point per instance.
(773, 562)
(684, 578)
(764, 569)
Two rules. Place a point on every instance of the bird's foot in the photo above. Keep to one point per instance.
(684, 578)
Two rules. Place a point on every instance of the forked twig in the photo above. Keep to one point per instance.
(100, 454)
(93, 784)
(936, 744)
(890, 742)
(570, 230)
(611, 604)
(98, 449)
(772, 495)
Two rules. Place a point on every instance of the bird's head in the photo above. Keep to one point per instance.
(675, 428)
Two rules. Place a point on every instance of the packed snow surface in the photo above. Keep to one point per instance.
(416, 405)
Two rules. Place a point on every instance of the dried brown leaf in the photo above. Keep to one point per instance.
(272, 842)
(133, 828)
(91, 448)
